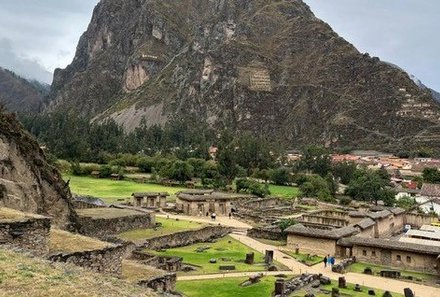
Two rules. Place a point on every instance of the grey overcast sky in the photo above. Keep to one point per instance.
(37, 36)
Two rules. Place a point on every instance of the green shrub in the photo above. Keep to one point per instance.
(106, 171)
(252, 187)
(63, 166)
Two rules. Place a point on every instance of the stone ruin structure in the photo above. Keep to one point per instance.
(284, 288)
(25, 232)
(151, 200)
(202, 202)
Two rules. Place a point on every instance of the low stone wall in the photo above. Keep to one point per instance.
(108, 260)
(265, 233)
(167, 263)
(30, 234)
(186, 238)
(100, 227)
(166, 283)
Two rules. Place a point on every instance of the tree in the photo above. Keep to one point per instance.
(280, 176)
(370, 186)
(316, 187)
(431, 175)
(227, 163)
(252, 187)
(344, 171)
(198, 165)
(315, 159)
(406, 202)
(180, 171)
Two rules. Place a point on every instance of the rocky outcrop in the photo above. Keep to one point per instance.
(266, 66)
(20, 95)
(27, 181)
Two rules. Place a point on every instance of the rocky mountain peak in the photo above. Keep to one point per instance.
(270, 67)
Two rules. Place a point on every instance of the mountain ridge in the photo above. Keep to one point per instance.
(21, 95)
(270, 67)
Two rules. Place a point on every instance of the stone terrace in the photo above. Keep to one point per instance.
(24, 231)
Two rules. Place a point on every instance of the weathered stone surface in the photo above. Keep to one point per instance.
(29, 234)
(101, 227)
(108, 260)
(270, 67)
(27, 181)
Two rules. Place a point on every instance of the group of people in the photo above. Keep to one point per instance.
(329, 260)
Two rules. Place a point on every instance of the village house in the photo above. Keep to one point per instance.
(318, 232)
(317, 241)
(202, 202)
(149, 199)
(404, 255)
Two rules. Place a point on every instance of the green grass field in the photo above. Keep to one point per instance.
(359, 268)
(284, 191)
(110, 190)
(169, 226)
(346, 292)
(226, 287)
(233, 253)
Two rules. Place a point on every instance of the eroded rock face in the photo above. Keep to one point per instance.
(27, 182)
(266, 66)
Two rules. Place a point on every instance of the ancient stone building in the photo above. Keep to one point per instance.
(202, 204)
(392, 253)
(149, 199)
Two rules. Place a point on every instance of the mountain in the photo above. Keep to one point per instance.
(436, 95)
(270, 67)
(20, 95)
(27, 182)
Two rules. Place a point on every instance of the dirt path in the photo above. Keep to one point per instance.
(355, 278)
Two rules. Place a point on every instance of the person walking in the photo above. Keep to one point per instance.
(328, 260)
(325, 262)
(332, 261)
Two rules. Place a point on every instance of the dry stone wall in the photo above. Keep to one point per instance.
(267, 233)
(101, 227)
(108, 260)
(31, 235)
(186, 238)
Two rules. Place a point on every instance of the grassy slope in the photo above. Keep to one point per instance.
(169, 226)
(359, 268)
(22, 276)
(110, 190)
(62, 241)
(235, 251)
(284, 191)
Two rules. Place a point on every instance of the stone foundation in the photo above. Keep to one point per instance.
(170, 264)
(29, 234)
(108, 260)
(166, 283)
(101, 227)
(186, 238)
(267, 233)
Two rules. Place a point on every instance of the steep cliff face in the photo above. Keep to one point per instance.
(18, 94)
(266, 66)
(27, 182)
